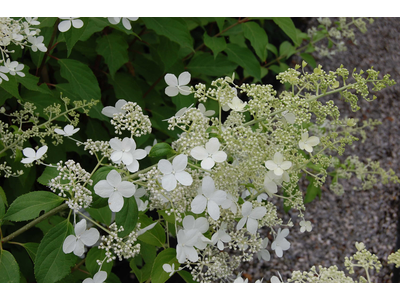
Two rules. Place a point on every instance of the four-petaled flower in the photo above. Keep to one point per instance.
(169, 269)
(206, 113)
(76, 243)
(68, 130)
(12, 67)
(174, 172)
(210, 154)
(209, 198)
(99, 277)
(125, 151)
(250, 217)
(115, 190)
(37, 43)
(32, 155)
(125, 21)
(177, 85)
(305, 226)
(66, 24)
(236, 104)
(189, 237)
(307, 143)
(221, 237)
(278, 165)
(280, 244)
(110, 111)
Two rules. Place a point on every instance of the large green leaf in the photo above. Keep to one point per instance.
(286, 49)
(29, 206)
(93, 25)
(257, 37)
(173, 28)
(93, 255)
(127, 216)
(127, 88)
(244, 58)
(83, 83)
(102, 214)
(51, 263)
(204, 64)
(287, 25)
(216, 44)
(9, 269)
(11, 86)
(32, 249)
(114, 48)
(167, 256)
(167, 52)
(31, 83)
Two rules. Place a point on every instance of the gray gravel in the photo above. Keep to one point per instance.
(368, 216)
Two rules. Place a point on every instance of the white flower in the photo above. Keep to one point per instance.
(12, 67)
(110, 111)
(32, 155)
(305, 226)
(68, 130)
(177, 85)
(125, 151)
(306, 143)
(221, 237)
(278, 165)
(280, 244)
(76, 243)
(174, 172)
(250, 217)
(205, 113)
(169, 269)
(64, 26)
(125, 21)
(210, 154)
(99, 277)
(189, 237)
(264, 253)
(37, 43)
(236, 104)
(115, 190)
(209, 198)
(289, 117)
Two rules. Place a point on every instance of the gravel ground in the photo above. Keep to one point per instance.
(368, 216)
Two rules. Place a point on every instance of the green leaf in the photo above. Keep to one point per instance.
(127, 216)
(51, 263)
(216, 44)
(167, 51)
(273, 49)
(31, 83)
(186, 276)
(161, 149)
(9, 269)
(11, 86)
(244, 58)
(114, 48)
(91, 264)
(286, 49)
(173, 28)
(83, 83)
(93, 25)
(287, 25)
(29, 206)
(32, 249)
(3, 203)
(73, 35)
(204, 64)
(142, 264)
(257, 37)
(48, 174)
(167, 256)
(309, 59)
(220, 22)
(154, 236)
(312, 191)
(282, 67)
(103, 214)
(49, 223)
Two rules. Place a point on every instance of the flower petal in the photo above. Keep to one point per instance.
(77, 23)
(171, 91)
(133, 167)
(201, 224)
(29, 152)
(246, 209)
(100, 277)
(207, 163)
(252, 225)
(270, 165)
(164, 166)
(198, 204)
(103, 189)
(168, 182)
(278, 158)
(179, 163)
(286, 165)
(184, 78)
(241, 223)
(219, 156)
(79, 248)
(258, 212)
(109, 111)
(188, 222)
(208, 186)
(199, 153)
(69, 244)
(184, 90)
(113, 178)
(90, 237)
(139, 154)
(64, 26)
(80, 227)
(116, 202)
(313, 141)
(184, 178)
(212, 146)
(126, 189)
(171, 80)
(213, 210)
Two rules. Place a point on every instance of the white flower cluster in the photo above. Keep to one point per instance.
(72, 179)
(19, 32)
